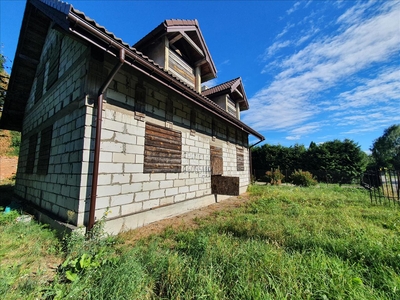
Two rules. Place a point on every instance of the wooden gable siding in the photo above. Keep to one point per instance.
(162, 150)
(181, 69)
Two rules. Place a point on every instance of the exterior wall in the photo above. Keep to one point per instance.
(60, 107)
(123, 189)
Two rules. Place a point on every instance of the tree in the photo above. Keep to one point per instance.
(386, 149)
(4, 77)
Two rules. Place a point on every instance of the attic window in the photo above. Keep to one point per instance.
(39, 83)
(54, 63)
(140, 98)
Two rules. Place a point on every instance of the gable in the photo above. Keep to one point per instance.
(40, 15)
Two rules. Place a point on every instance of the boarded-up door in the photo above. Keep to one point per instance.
(221, 185)
(216, 160)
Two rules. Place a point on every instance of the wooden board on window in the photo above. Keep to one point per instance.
(240, 159)
(216, 161)
(225, 185)
(162, 150)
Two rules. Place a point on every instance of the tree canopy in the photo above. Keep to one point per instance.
(334, 161)
(386, 149)
(4, 77)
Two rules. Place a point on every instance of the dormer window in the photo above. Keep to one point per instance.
(179, 47)
(230, 96)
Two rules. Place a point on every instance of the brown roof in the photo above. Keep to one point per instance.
(37, 17)
(232, 87)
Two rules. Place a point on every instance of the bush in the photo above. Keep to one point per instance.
(303, 178)
(274, 177)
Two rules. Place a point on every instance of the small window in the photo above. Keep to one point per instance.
(193, 119)
(44, 150)
(140, 98)
(240, 159)
(169, 110)
(39, 84)
(162, 150)
(30, 164)
(54, 63)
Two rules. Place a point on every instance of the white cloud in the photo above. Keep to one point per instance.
(292, 98)
(293, 8)
(293, 137)
(275, 47)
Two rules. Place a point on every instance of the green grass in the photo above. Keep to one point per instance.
(285, 243)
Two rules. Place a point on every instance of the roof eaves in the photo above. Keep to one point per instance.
(216, 109)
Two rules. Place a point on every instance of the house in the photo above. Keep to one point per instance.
(127, 130)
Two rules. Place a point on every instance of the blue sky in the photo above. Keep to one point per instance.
(312, 70)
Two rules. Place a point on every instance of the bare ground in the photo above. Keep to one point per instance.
(187, 220)
(8, 167)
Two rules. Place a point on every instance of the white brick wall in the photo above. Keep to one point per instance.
(122, 186)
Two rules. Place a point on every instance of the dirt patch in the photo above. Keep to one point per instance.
(187, 220)
(8, 167)
(8, 164)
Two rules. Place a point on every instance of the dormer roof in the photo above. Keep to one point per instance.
(234, 88)
(186, 36)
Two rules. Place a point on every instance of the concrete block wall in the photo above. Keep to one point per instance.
(123, 188)
(62, 107)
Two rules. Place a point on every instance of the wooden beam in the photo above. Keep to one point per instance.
(175, 39)
(193, 44)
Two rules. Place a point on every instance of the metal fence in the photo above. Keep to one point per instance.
(383, 185)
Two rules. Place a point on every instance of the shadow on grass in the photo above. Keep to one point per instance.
(6, 192)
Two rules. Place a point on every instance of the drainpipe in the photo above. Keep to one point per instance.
(96, 160)
(250, 157)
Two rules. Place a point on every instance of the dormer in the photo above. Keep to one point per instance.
(229, 95)
(178, 46)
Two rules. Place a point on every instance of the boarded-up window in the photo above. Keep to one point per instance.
(44, 150)
(162, 150)
(54, 63)
(224, 185)
(240, 159)
(31, 154)
(140, 98)
(216, 160)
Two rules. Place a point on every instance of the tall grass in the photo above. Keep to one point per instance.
(285, 243)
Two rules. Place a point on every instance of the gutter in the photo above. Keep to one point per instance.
(96, 160)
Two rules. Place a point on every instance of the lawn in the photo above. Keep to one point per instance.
(324, 242)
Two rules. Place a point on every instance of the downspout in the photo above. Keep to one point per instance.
(251, 158)
(96, 160)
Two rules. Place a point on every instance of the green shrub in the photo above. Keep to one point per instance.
(15, 143)
(274, 177)
(303, 178)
